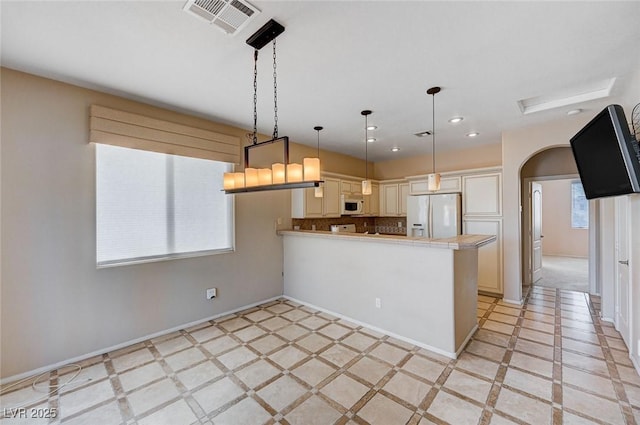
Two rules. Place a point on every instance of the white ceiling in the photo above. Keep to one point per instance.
(338, 58)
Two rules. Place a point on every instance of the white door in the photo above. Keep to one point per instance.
(536, 231)
(623, 289)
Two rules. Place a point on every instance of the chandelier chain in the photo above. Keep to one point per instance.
(255, 97)
(275, 93)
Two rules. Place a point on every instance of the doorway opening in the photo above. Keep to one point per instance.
(556, 234)
(562, 220)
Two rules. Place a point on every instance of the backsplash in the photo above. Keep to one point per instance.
(385, 225)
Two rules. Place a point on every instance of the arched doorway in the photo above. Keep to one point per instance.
(556, 239)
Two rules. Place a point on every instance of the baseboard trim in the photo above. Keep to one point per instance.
(448, 354)
(466, 341)
(82, 357)
(508, 301)
(635, 363)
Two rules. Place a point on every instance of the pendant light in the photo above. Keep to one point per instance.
(433, 178)
(281, 175)
(319, 191)
(366, 183)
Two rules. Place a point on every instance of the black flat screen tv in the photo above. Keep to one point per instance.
(607, 155)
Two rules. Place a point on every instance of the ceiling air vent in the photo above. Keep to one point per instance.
(228, 15)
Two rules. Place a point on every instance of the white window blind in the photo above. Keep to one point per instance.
(153, 206)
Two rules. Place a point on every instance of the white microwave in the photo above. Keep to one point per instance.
(351, 205)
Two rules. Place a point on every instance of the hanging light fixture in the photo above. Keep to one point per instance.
(319, 191)
(366, 183)
(281, 175)
(433, 179)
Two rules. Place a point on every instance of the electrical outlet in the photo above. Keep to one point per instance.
(378, 303)
(212, 293)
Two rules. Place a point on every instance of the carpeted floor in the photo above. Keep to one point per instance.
(565, 273)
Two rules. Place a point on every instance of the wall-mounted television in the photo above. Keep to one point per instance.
(607, 155)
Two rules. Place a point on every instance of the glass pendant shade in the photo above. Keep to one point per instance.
(318, 192)
(311, 169)
(366, 187)
(264, 176)
(250, 177)
(278, 173)
(229, 181)
(434, 181)
(294, 172)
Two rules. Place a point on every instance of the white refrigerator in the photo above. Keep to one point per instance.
(434, 216)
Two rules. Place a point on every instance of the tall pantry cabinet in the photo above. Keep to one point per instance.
(482, 214)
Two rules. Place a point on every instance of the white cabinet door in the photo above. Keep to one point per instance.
(349, 187)
(450, 184)
(372, 202)
(403, 192)
(393, 199)
(490, 255)
(389, 200)
(418, 187)
(482, 194)
(331, 199)
(304, 204)
(447, 185)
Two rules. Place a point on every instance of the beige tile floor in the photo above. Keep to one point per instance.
(550, 362)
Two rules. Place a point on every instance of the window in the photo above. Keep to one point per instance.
(152, 206)
(579, 207)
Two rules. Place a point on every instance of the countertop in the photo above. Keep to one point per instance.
(457, 242)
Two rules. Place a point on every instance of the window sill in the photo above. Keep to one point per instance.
(164, 257)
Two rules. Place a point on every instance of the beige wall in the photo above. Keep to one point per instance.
(55, 304)
(559, 237)
(518, 146)
(476, 157)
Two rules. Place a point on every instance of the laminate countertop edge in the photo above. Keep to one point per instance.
(459, 242)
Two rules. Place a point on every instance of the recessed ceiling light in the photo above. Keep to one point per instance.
(395, 149)
(473, 134)
(574, 111)
(372, 127)
(371, 139)
(423, 134)
(455, 120)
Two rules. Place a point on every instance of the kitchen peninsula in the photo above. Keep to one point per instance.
(423, 291)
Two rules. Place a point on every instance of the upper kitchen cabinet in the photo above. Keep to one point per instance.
(331, 198)
(482, 194)
(447, 185)
(304, 204)
(349, 187)
(393, 199)
(372, 202)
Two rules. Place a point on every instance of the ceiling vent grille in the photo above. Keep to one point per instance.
(228, 15)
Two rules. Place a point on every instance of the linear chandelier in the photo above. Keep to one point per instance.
(281, 175)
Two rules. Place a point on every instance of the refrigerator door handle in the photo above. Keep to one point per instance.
(430, 220)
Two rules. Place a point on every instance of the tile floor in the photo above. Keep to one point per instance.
(550, 362)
